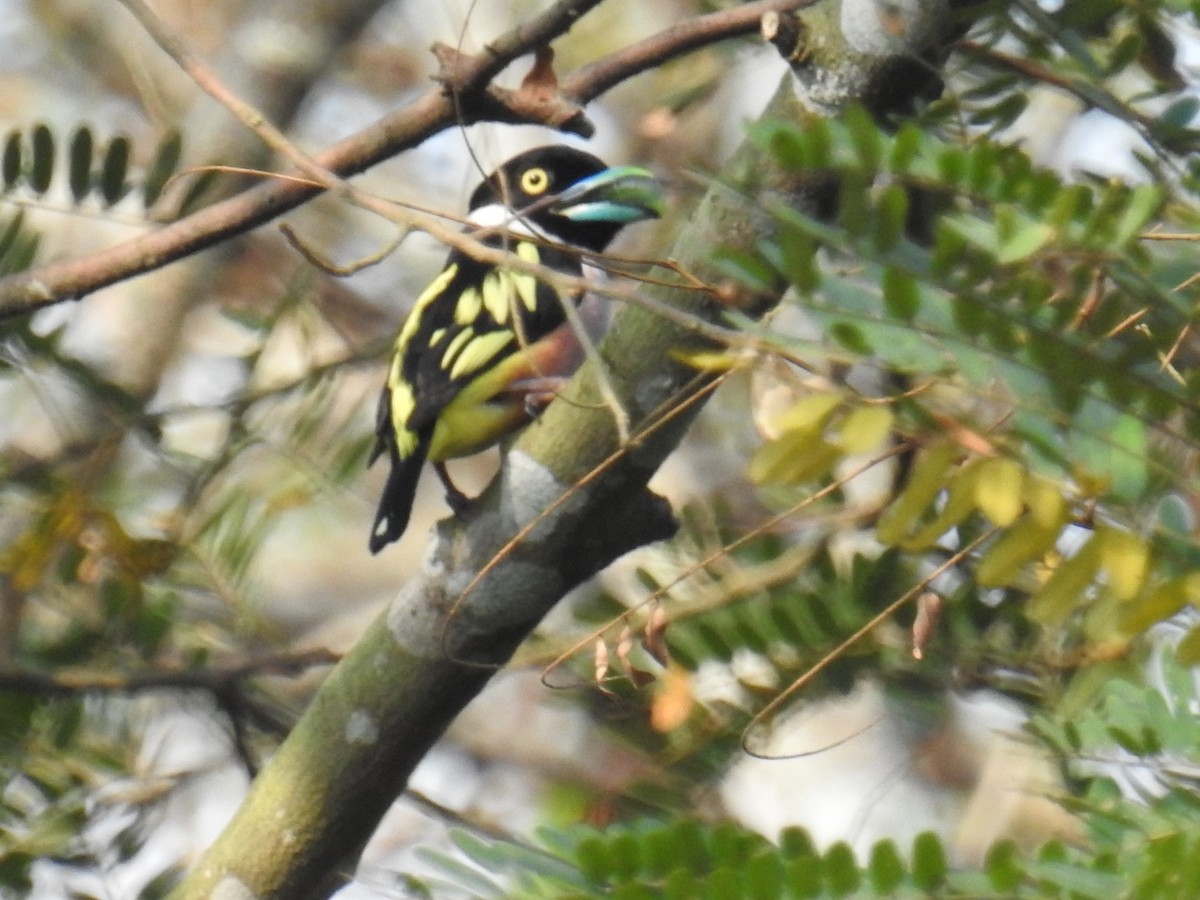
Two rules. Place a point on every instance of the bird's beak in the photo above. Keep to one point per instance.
(618, 195)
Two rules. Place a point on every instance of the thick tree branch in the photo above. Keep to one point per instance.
(392, 696)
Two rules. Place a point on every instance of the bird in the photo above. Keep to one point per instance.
(485, 347)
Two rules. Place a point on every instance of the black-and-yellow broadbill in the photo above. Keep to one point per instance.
(484, 345)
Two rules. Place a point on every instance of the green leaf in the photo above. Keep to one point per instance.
(1019, 238)
(1076, 880)
(1141, 204)
(1002, 866)
(750, 270)
(41, 167)
(865, 136)
(1188, 649)
(841, 870)
(114, 170)
(929, 861)
(905, 145)
(591, 855)
(891, 217)
(1160, 603)
(624, 856)
(804, 876)
(720, 883)
(959, 503)
(851, 337)
(1180, 114)
(796, 259)
(1064, 591)
(80, 174)
(886, 869)
(763, 877)
(10, 165)
(901, 294)
(462, 874)
(795, 842)
(162, 166)
(925, 481)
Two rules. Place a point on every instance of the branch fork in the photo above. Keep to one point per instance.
(539, 98)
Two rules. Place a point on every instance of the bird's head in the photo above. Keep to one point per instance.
(570, 195)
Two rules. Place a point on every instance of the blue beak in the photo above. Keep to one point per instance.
(618, 195)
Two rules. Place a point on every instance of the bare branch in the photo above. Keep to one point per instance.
(592, 80)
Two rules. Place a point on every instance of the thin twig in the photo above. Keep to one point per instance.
(837, 652)
(214, 678)
(700, 565)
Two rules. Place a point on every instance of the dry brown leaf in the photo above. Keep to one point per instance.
(673, 701)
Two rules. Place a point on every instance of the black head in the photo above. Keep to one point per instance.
(571, 195)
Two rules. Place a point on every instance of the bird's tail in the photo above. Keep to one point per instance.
(395, 506)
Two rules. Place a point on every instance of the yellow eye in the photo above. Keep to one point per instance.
(534, 181)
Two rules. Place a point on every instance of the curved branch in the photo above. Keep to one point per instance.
(594, 79)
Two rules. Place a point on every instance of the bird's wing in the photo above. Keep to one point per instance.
(480, 316)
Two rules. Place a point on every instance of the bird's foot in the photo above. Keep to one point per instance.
(455, 499)
(537, 393)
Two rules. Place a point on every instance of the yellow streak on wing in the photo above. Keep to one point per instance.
(428, 296)
(526, 285)
(497, 294)
(456, 344)
(468, 306)
(479, 352)
(403, 403)
(437, 337)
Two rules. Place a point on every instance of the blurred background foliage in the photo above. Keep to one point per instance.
(979, 399)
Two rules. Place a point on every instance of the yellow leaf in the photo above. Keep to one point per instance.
(1102, 620)
(998, 490)
(708, 360)
(924, 483)
(772, 461)
(960, 503)
(794, 458)
(1024, 542)
(1045, 501)
(809, 413)
(1064, 590)
(1126, 561)
(1160, 602)
(1188, 650)
(800, 452)
(865, 428)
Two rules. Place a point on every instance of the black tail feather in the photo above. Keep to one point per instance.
(395, 506)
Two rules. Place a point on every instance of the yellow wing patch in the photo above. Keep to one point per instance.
(456, 344)
(478, 353)
(498, 294)
(526, 285)
(501, 289)
(468, 307)
(428, 296)
(403, 403)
